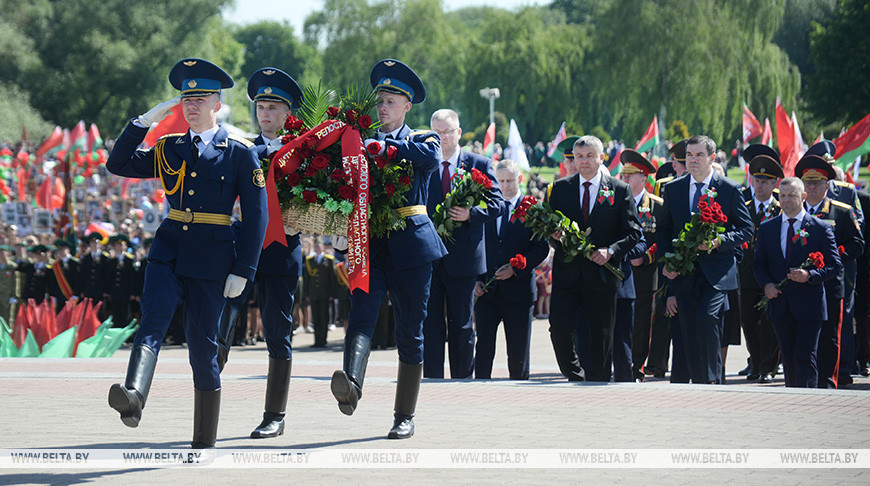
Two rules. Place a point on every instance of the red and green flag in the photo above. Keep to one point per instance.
(787, 140)
(767, 134)
(489, 140)
(78, 137)
(854, 143)
(52, 142)
(650, 138)
(751, 125)
(553, 151)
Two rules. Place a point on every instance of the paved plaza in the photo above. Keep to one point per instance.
(61, 405)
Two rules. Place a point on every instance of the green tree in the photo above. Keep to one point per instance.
(839, 90)
(275, 44)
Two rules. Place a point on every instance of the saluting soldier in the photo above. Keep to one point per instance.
(65, 272)
(765, 172)
(400, 263)
(815, 173)
(278, 270)
(8, 285)
(194, 258)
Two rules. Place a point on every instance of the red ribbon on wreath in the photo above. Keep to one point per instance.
(287, 160)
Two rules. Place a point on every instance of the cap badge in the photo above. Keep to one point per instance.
(269, 72)
(189, 63)
(268, 90)
(387, 81)
(191, 84)
(389, 63)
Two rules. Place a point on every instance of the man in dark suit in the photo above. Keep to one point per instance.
(798, 308)
(319, 288)
(120, 275)
(91, 271)
(699, 297)
(511, 298)
(401, 263)
(862, 299)
(764, 174)
(595, 201)
(815, 173)
(454, 276)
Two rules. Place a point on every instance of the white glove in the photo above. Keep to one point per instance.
(234, 286)
(274, 146)
(339, 242)
(159, 112)
(381, 144)
(290, 231)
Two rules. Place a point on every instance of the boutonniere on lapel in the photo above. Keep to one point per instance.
(605, 194)
(800, 236)
(710, 193)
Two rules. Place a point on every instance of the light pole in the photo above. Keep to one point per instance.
(491, 94)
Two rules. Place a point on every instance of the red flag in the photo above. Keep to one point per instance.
(79, 136)
(50, 196)
(19, 329)
(767, 133)
(751, 126)
(854, 140)
(563, 171)
(21, 178)
(489, 141)
(174, 123)
(53, 140)
(94, 139)
(786, 140)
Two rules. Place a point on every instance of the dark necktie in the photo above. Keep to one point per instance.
(584, 208)
(445, 178)
(505, 220)
(789, 235)
(194, 149)
(697, 196)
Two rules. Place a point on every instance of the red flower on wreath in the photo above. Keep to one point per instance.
(346, 192)
(390, 188)
(287, 138)
(320, 161)
(337, 175)
(518, 262)
(405, 180)
(293, 178)
(365, 122)
(310, 172)
(293, 123)
(392, 152)
(373, 148)
(309, 196)
(332, 111)
(380, 161)
(351, 115)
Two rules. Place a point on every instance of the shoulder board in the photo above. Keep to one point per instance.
(330, 257)
(242, 140)
(420, 132)
(656, 198)
(170, 135)
(844, 184)
(549, 190)
(776, 190)
(840, 204)
(747, 203)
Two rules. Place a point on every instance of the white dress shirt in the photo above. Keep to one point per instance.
(593, 190)
(784, 230)
(693, 188)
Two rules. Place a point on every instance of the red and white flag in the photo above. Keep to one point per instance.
(560, 135)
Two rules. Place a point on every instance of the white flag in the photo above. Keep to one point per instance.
(515, 142)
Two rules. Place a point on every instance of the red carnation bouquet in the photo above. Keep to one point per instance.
(519, 262)
(544, 221)
(467, 189)
(704, 228)
(815, 260)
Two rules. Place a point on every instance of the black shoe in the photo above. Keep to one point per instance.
(753, 375)
(129, 399)
(844, 380)
(206, 411)
(638, 376)
(407, 391)
(765, 378)
(745, 371)
(346, 385)
(277, 386)
(865, 370)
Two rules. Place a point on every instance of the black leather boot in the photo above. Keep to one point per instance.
(407, 390)
(226, 330)
(347, 384)
(277, 385)
(206, 410)
(129, 399)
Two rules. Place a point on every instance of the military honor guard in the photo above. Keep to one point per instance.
(35, 274)
(449, 314)
(510, 299)
(400, 263)
(765, 173)
(797, 307)
(65, 272)
(636, 169)
(700, 296)
(816, 173)
(583, 283)
(275, 93)
(194, 258)
(120, 279)
(567, 148)
(92, 272)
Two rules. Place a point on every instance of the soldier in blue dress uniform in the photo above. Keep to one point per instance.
(195, 257)
(401, 262)
(275, 93)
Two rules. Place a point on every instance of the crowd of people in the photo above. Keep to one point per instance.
(785, 262)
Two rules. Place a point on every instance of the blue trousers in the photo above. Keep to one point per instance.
(699, 309)
(622, 334)
(409, 293)
(275, 298)
(517, 318)
(798, 343)
(449, 321)
(203, 303)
